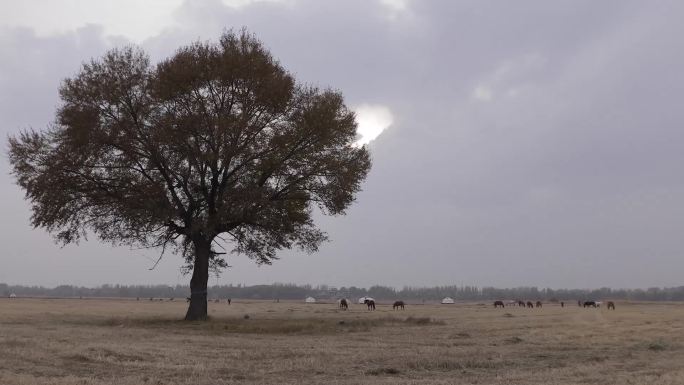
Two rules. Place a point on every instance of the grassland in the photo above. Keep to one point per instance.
(92, 341)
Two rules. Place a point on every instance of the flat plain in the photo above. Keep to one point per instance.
(123, 341)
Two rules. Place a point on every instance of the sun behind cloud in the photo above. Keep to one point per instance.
(372, 120)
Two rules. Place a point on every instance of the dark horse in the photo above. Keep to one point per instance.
(499, 303)
(530, 304)
(343, 304)
(521, 303)
(611, 305)
(539, 304)
(397, 305)
(370, 303)
(589, 303)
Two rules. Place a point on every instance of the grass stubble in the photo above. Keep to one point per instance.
(95, 341)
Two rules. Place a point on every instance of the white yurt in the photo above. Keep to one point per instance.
(448, 300)
(13, 295)
(310, 300)
(363, 299)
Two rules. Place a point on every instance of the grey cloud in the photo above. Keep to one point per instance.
(566, 177)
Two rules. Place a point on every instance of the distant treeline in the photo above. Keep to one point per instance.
(323, 292)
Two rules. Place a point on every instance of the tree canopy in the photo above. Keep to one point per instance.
(218, 140)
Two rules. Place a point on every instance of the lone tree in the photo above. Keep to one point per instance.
(216, 142)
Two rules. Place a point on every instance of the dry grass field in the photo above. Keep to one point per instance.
(93, 341)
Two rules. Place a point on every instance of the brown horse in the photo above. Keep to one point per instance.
(397, 305)
(589, 304)
(530, 304)
(521, 303)
(539, 304)
(370, 303)
(611, 305)
(343, 304)
(498, 303)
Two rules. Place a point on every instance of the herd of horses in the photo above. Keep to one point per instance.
(370, 304)
(529, 304)
(609, 304)
(344, 304)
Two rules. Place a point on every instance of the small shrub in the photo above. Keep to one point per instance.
(514, 340)
(422, 321)
(78, 357)
(658, 346)
(418, 320)
(381, 371)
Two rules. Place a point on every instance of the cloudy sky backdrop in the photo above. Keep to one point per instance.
(522, 143)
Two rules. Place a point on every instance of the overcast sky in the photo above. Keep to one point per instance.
(520, 143)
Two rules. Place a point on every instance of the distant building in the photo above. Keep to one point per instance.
(448, 300)
(310, 300)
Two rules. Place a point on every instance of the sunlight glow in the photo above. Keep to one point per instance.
(372, 120)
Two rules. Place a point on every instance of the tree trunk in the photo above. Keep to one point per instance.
(198, 284)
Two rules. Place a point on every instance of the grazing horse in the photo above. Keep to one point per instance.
(589, 303)
(370, 303)
(521, 303)
(397, 305)
(611, 305)
(562, 304)
(539, 304)
(530, 304)
(228, 301)
(343, 304)
(498, 303)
